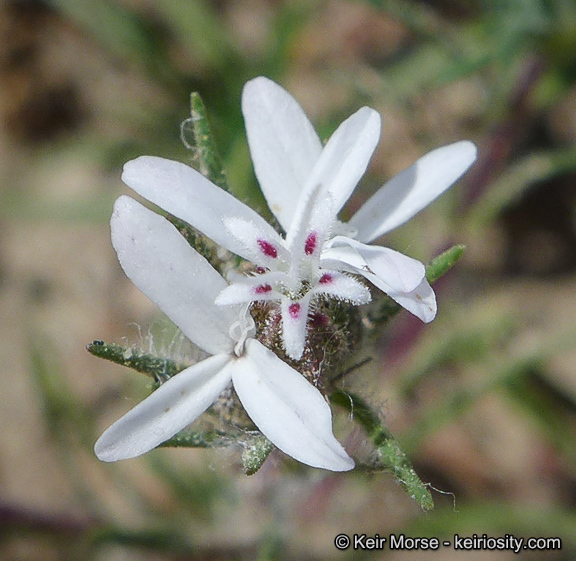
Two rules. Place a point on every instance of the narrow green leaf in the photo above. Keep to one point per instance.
(197, 439)
(158, 368)
(206, 155)
(441, 264)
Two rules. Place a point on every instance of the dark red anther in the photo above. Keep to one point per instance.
(267, 248)
(326, 278)
(310, 244)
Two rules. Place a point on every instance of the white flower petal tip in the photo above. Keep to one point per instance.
(413, 189)
(345, 157)
(421, 301)
(173, 406)
(283, 145)
(288, 410)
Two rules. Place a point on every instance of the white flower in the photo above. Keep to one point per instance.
(306, 185)
(286, 408)
(299, 176)
(293, 274)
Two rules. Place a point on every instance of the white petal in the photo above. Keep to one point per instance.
(394, 271)
(159, 261)
(412, 190)
(187, 194)
(173, 406)
(345, 156)
(343, 287)
(263, 248)
(421, 301)
(288, 410)
(294, 322)
(283, 145)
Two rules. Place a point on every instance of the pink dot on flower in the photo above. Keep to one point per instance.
(294, 310)
(267, 248)
(326, 279)
(262, 289)
(260, 270)
(310, 244)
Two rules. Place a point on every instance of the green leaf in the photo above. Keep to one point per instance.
(441, 264)
(158, 368)
(206, 155)
(256, 449)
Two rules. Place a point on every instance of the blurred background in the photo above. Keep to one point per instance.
(483, 399)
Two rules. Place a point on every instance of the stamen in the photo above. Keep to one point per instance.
(310, 244)
(267, 248)
(326, 278)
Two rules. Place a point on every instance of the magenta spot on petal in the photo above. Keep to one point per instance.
(310, 244)
(294, 310)
(268, 249)
(326, 279)
(263, 289)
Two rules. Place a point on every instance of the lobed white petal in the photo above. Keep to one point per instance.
(187, 194)
(288, 410)
(345, 156)
(173, 406)
(159, 261)
(412, 190)
(283, 145)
